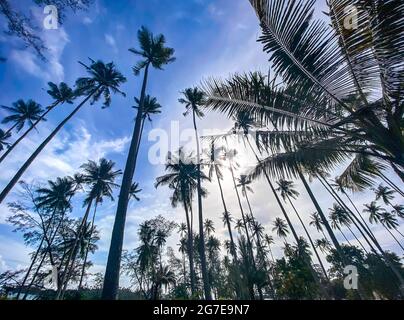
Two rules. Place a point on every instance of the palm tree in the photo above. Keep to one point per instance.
(317, 223)
(281, 229)
(209, 227)
(325, 68)
(3, 139)
(153, 53)
(269, 241)
(60, 94)
(377, 215)
(182, 179)
(103, 80)
(100, 177)
(22, 113)
(134, 190)
(214, 164)
(150, 107)
(288, 192)
(194, 100)
(323, 244)
(338, 218)
(163, 278)
(384, 193)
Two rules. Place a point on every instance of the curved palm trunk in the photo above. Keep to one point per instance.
(83, 270)
(392, 184)
(313, 272)
(357, 211)
(190, 246)
(205, 276)
(344, 236)
(72, 256)
(310, 239)
(26, 165)
(27, 132)
(398, 242)
(259, 249)
(233, 247)
(111, 278)
(358, 224)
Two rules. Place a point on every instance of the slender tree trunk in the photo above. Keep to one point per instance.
(26, 165)
(398, 242)
(190, 251)
(83, 270)
(392, 184)
(72, 257)
(30, 268)
(343, 234)
(5, 154)
(233, 246)
(111, 278)
(46, 229)
(310, 239)
(313, 272)
(205, 276)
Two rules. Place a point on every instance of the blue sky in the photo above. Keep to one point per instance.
(211, 38)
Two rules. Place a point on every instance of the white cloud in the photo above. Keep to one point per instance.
(50, 70)
(110, 40)
(87, 20)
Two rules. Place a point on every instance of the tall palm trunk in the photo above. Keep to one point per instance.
(83, 270)
(398, 242)
(50, 108)
(259, 248)
(233, 246)
(190, 247)
(72, 256)
(323, 218)
(111, 279)
(205, 276)
(353, 218)
(392, 184)
(26, 165)
(310, 239)
(313, 272)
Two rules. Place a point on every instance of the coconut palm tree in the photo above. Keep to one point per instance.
(22, 113)
(214, 164)
(153, 53)
(281, 229)
(323, 244)
(385, 194)
(327, 71)
(182, 178)
(3, 139)
(103, 80)
(339, 218)
(286, 188)
(317, 223)
(164, 277)
(100, 178)
(150, 107)
(61, 94)
(209, 227)
(269, 241)
(134, 190)
(193, 99)
(376, 215)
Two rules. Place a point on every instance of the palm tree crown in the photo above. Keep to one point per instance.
(23, 112)
(153, 51)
